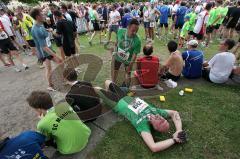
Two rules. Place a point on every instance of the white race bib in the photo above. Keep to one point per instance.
(138, 105)
(123, 55)
(152, 24)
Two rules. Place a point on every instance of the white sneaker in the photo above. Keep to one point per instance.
(159, 88)
(17, 69)
(51, 89)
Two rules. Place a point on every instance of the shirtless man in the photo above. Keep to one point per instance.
(173, 67)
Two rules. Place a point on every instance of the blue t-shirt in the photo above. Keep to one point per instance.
(164, 10)
(193, 63)
(39, 34)
(181, 12)
(27, 145)
(126, 19)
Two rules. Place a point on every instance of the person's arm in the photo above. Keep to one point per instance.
(156, 146)
(176, 120)
(129, 68)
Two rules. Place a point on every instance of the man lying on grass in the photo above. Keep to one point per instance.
(143, 115)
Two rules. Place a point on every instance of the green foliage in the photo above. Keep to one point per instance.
(29, 1)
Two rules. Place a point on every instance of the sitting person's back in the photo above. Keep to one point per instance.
(60, 123)
(222, 64)
(193, 61)
(26, 145)
(147, 68)
(172, 69)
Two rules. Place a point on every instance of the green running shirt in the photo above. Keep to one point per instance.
(63, 125)
(136, 111)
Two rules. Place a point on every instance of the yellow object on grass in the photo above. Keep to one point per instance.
(162, 99)
(188, 90)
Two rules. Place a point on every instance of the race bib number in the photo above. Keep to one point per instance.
(123, 55)
(137, 106)
(48, 41)
(3, 35)
(152, 24)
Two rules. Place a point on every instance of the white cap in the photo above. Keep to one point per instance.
(193, 43)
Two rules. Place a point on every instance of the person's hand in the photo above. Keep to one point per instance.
(180, 136)
(175, 135)
(50, 30)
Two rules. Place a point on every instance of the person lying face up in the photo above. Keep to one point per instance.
(143, 115)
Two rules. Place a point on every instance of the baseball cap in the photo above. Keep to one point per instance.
(187, 17)
(193, 43)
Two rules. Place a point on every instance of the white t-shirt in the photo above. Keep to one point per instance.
(175, 8)
(202, 19)
(7, 26)
(113, 16)
(221, 66)
(198, 9)
(146, 15)
(7, 18)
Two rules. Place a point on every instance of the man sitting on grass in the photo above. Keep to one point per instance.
(193, 59)
(172, 69)
(60, 124)
(220, 67)
(148, 68)
(143, 116)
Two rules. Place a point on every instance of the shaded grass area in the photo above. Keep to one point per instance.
(210, 116)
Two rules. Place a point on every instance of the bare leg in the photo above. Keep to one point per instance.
(48, 69)
(2, 59)
(109, 36)
(19, 58)
(62, 54)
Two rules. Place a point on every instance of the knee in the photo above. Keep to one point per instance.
(107, 84)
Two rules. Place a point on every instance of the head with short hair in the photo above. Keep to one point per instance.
(238, 2)
(52, 7)
(19, 16)
(227, 44)
(126, 10)
(40, 100)
(94, 7)
(57, 14)
(36, 14)
(148, 49)
(69, 6)
(70, 74)
(64, 8)
(133, 27)
(208, 6)
(159, 123)
(2, 11)
(192, 44)
(172, 46)
(183, 3)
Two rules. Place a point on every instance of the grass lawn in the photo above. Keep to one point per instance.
(210, 116)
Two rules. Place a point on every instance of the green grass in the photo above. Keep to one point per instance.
(210, 116)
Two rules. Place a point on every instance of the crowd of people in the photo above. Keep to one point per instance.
(193, 24)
